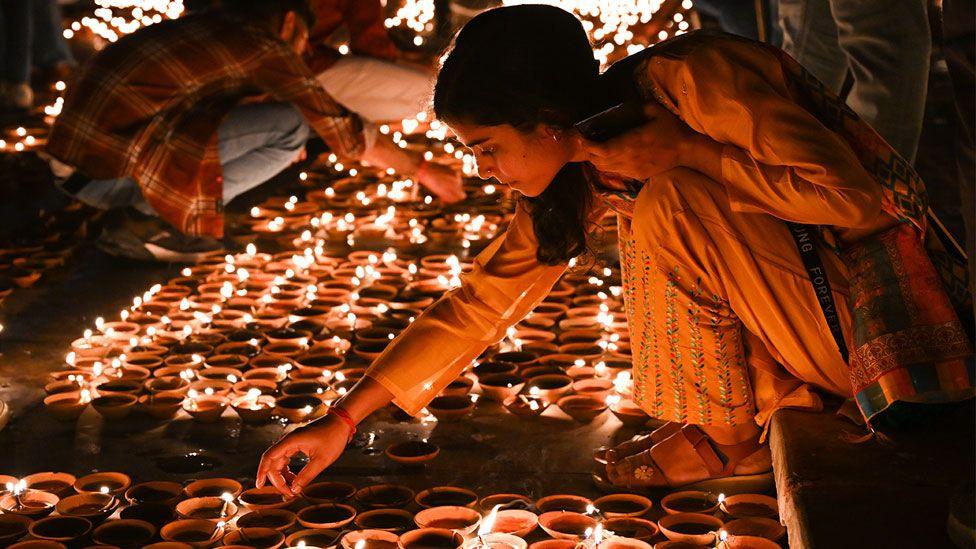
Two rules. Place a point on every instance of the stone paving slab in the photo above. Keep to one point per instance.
(835, 494)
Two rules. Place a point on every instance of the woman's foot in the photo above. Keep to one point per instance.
(687, 457)
(636, 444)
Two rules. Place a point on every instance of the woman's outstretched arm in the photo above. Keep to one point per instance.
(322, 441)
(505, 284)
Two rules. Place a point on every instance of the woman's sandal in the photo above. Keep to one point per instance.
(689, 460)
(638, 443)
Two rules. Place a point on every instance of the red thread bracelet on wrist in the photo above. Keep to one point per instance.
(346, 418)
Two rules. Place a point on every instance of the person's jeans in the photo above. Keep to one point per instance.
(16, 31)
(254, 141)
(49, 45)
(886, 45)
(377, 90)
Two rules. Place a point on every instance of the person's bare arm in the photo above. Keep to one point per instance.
(322, 441)
(441, 180)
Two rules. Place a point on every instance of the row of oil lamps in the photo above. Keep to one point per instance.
(108, 510)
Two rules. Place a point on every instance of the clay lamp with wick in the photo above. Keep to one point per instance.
(499, 387)
(61, 529)
(59, 484)
(554, 544)
(623, 505)
(564, 502)
(312, 538)
(326, 516)
(13, 527)
(124, 533)
(750, 506)
(516, 522)
(691, 527)
(158, 491)
(390, 520)
(29, 503)
(328, 492)
(254, 407)
(205, 408)
(379, 496)
(760, 527)
(369, 539)
(728, 541)
(162, 405)
(94, 507)
(213, 487)
(446, 495)
(157, 514)
(459, 387)
(412, 452)
(529, 404)
(264, 498)
(261, 538)
(566, 524)
(632, 527)
(691, 501)
(430, 538)
(597, 388)
(463, 520)
(299, 408)
(197, 533)
(489, 537)
(618, 542)
(278, 519)
(38, 544)
(451, 408)
(491, 367)
(504, 501)
(582, 408)
(629, 413)
(106, 482)
(210, 508)
(551, 387)
(114, 405)
(67, 406)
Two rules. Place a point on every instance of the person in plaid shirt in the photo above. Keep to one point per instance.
(156, 122)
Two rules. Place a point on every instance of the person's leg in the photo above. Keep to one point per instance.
(49, 47)
(888, 44)
(18, 29)
(256, 142)
(810, 36)
(377, 90)
(725, 326)
(110, 194)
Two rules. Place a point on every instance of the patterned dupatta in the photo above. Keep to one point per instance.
(907, 343)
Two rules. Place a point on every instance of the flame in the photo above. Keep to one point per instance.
(489, 522)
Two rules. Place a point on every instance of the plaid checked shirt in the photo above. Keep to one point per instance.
(363, 19)
(149, 107)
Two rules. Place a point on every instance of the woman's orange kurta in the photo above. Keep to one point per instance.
(725, 327)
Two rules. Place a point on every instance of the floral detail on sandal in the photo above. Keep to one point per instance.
(644, 472)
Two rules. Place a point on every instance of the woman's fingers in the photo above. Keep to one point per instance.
(308, 473)
(278, 482)
(272, 463)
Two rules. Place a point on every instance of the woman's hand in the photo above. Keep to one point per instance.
(663, 143)
(445, 182)
(321, 441)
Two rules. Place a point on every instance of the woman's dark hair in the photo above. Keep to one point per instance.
(523, 66)
(271, 11)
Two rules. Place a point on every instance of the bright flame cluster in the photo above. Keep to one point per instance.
(113, 19)
(609, 23)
